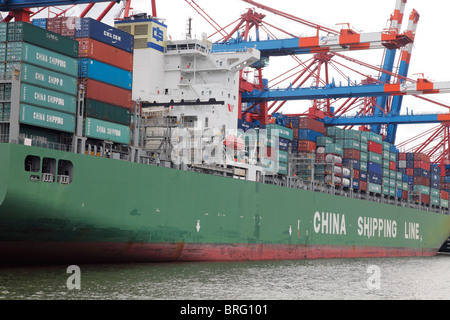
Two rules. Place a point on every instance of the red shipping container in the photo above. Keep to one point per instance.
(351, 154)
(410, 171)
(306, 146)
(363, 185)
(320, 157)
(418, 180)
(404, 194)
(444, 194)
(422, 164)
(295, 133)
(421, 157)
(402, 156)
(308, 123)
(90, 48)
(355, 174)
(107, 93)
(392, 165)
(374, 147)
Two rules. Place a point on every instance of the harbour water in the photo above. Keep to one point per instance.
(410, 278)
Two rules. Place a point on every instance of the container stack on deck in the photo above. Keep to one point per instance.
(105, 70)
(363, 161)
(284, 136)
(48, 64)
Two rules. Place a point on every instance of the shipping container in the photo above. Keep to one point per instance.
(308, 134)
(308, 123)
(93, 69)
(90, 28)
(280, 131)
(107, 112)
(90, 48)
(26, 32)
(99, 129)
(46, 118)
(3, 32)
(306, 146)
(106, 93)
(48, 79)
(45, 98)
(44, 58)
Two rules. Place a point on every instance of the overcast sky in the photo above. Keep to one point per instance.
(430, 50)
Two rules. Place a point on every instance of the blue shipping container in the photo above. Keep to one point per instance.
(41, 23)
(284, 144)
(363, 176)
(351, 163)
(245, 125)
(421, 172)
(96, 70)
(374, 167)
(308, 134)
(399, 193)
(374, 178)
(355, 184)
(90, 28)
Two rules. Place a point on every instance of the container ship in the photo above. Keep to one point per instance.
(120, 145)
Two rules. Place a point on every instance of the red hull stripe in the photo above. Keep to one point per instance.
(126, 252)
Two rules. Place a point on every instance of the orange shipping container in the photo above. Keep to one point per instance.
(90, 48)
(107, 93)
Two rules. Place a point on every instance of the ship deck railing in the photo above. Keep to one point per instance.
(282, 181)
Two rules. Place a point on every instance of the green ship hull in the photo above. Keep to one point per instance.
(115, 210)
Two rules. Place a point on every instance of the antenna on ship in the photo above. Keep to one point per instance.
(189, 28)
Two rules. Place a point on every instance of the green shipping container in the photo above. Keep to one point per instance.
(283, 132)
(352, 135)
(434, 201)
(421, 189)
(375, 137)
(386, 146)
(26, 32)
(282, 156)
(444, 203)
(41, 97)
(3, 32)
(47, 118)
(322, 141)
(25, 52)
(107, 112)
(364, 136)
(103, 130)
(49, 79)
(373, 187)
(375, 157)
(385, 172)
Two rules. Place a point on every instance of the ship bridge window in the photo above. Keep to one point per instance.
(32, 163)
(48, 169)
(65, 171)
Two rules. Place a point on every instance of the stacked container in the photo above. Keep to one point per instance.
(305, 134)
(284, 136)
(48, 64)
(105, 70)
